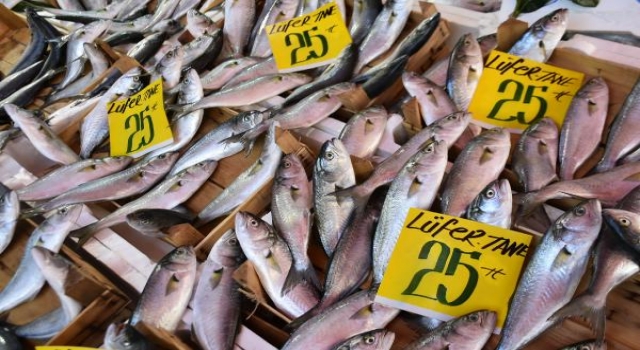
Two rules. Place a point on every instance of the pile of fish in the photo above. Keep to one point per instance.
(357, 224)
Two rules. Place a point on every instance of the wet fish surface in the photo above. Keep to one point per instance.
(493, 205)
(468, 332)
(535, 155)
(542, 37)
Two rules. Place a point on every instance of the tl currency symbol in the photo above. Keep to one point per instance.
(142, 130)
(305, 40)
(449, 268)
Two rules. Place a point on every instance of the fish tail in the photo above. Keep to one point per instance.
(528, 203)
(249, 137)
(29, 213)
(84, 233)
(314, 311)
(298, 275)
(588, 307)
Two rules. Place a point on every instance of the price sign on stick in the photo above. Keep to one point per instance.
(445, 267)
(310, 40)
(138, 124)
(513, 92)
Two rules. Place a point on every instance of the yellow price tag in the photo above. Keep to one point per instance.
(513, 92)
(63, 347)
(445, 267)
(310, 40)
(138, 124)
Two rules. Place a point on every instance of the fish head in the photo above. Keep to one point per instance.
(159, 164)
(379, 339)
(91, 31)
(56, 223)
(493, 197)
(476, 326)
(488, 43)
(172, 58)
(199, 171)
(129, 81)
(466, 47)
(55, 265)
(116, 162)
(9, 205)
(594, 88)
(181, 258)
(451, 127)
(202, 41)
(413, 79)
(555, 22)
(169, 26)
(121, 336)
(195, 15)
(579, 225)
(227, 251)
(624, 223)
(290, 168)
(333, 159)
(190, 88)
(544, 129)
(254, 234)
(249, 119)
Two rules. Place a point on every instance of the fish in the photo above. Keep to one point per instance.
(225, 71)
(447, 129)
(250, 92)
(8, 339)
(207, 59)
(585, 345)
(263, 67)
(415, 186)
(122, 336)
(465, 69)
(379, 339)
(535, 155)
(55, 270)
(246, 184)
(306, 6)
(28, 280)
(195, 48)
(278, 11)
(150, 221)
(12, 82)
(43, 139)
(338, 71)
(291, 201)
(384, 31)
(27, 93)
(69, 176)
(37, 44)
(272, 260)
(199, 24)
(123, 38)
(9, 211)
(239, 18)
(355, 314)
(185, 127)
(379, 82)
(183, 7)
(210, 145)
(479, 163)
(75, 49)
(583, 126)
(167, 292)
(620, 141)
(147, 47)
(363, 133)
(493, 205)
(217, 298)
(468, 332)
(128, 182)
(542, 37)
(552, 274)
(169, 68)
(333, 171)
(363, 16)
(95, 126)
(434, 102)
(609, 187)
(166, 195)
(71, 113)
(6, 136)
(163, 10)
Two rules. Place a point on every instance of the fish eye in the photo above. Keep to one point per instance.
(1, 199)
(369, 339)
(64, 210)
(624, 221)
(170, 54)
(253, 222)
(473, 318)
(430, 149)
(579, 211)
(162, 156)
(287, 164)
(452, 117)
(201, 164)
(233, 241)
(585, 347)
(490, 193)
(555, 18)
(126, 343)
(136, 79)
(329, 155)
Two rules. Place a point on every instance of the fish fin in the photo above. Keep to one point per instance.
(528, 203)
(356, 193)
(29, 213)
(415, 187)
(172, 285)
(587, 307)
(543, 148)
(84, 233)
(368, 126)
(215, 277)
(249, 137)
(297, 276)
(487, 155)
(634, 178)
(295, 324)
(89, 168)
(271, 261)
(364, 313)
(136, 177)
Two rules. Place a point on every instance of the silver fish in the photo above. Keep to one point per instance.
(210, 146)
(250, 92)
(122, 336)
(167, 292)
(69, 176)
(363, 16)
(41, 136)
(350, 316)
(433, 100)
(468, 332)
(479, 163)
(99, 64)
(225, 71)
(28, 280)
(279, 11)
(246, 184)
(164, 9)
(379, 339)
(166, 195)
(43, 327)
(363, 132)
(534, 158)
(150, 221)
(134, 180)
(384, 31)
(416, 186)
(552, 275)
(333, 171)
(185, 127)
(169, 68)
(199, 24)
(465, 69)
(542, 37)
(239, 16)
(217, 299)
(493, 205)
(75, 49)
(9, 211)
(6, 136)
(291, 200)
(272, 260)
(263, 67)
(621, 139)
(70, 5)
(196, 48)
(583, 126)
(585, 345)
(71, 113)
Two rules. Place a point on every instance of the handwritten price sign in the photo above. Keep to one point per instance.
(445, 267)
(308, 41)
(514, 92)
(138, 124)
